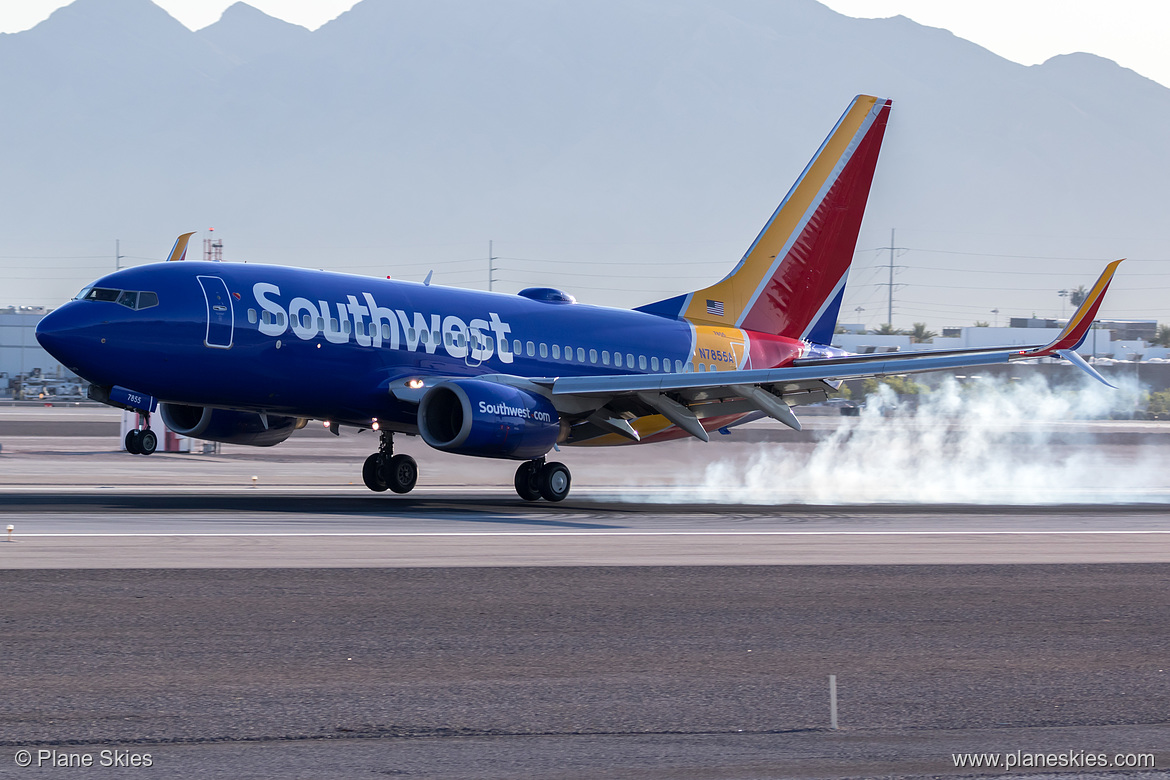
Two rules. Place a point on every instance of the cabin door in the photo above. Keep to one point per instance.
(220, 314)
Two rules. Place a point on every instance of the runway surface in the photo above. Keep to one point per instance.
(78, 502)
(649, 627)
(282, 528)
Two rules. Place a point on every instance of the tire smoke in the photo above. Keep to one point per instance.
(994, 441)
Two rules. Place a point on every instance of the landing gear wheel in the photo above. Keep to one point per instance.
(147, 441)
(132, 442)
(554, 481)
(528, 481)
(401, 473)
(372, 473)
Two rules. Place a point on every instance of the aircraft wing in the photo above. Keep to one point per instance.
(684, 399)
(610, 401)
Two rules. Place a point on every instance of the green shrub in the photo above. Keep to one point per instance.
(1159, 403)
(901, 385)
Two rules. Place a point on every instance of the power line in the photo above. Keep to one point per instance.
(54, 257)
(665, 264)
(1009, 257)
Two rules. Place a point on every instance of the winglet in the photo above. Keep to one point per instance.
(1078, 326)
(179, 250)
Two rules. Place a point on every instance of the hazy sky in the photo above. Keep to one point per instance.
(1027, 31)
(1130, 32)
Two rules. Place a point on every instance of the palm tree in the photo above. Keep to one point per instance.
(982, 324)
(886, 330)
(1077, 297)
(920, 334)
(1162, 337)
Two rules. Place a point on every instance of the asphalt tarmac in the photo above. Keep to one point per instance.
(572, 672)
(306, 627)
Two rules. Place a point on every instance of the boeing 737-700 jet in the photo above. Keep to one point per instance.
(246, 353)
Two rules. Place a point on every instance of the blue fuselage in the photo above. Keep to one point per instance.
(324, 345)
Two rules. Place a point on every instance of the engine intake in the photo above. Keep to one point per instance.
(490, 420)
(201, 422)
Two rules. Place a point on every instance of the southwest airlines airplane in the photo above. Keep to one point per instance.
(247, 354)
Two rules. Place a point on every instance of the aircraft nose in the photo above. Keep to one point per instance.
(58, 333)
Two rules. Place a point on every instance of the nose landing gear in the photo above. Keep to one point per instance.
(537, 479)
(386, 471)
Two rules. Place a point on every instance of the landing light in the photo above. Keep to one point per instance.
(326, 423)
(414, 384)
(375, 425)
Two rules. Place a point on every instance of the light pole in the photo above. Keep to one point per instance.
(996, 313)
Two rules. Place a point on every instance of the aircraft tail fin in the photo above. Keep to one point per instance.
(792, 278)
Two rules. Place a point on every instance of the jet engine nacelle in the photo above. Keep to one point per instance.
(201, 422)
(490, 420)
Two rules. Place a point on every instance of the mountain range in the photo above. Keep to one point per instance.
(623, 150)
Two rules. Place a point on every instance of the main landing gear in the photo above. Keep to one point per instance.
(386, 471)
(142, 441)
(536, 479)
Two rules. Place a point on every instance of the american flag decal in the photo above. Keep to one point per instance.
(715, 307)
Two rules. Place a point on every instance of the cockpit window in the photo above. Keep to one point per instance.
(102, 294)
(82, 295)
(131, 299)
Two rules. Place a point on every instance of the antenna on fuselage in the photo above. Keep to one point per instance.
(427, 281)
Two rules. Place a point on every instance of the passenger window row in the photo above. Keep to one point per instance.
(617, 359)
(530, 348)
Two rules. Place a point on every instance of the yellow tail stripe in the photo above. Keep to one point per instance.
(737, 290)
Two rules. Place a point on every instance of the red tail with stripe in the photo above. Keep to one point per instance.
(791, 280)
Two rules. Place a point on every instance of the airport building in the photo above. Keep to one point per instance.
(1109, 340)
(26, 370)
